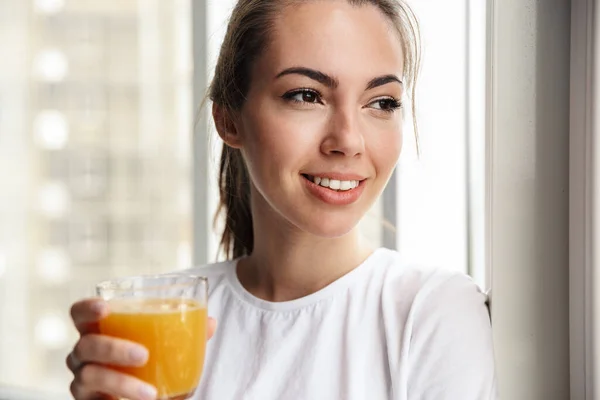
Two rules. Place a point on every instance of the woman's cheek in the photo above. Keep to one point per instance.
(386, 149)
(289, 139)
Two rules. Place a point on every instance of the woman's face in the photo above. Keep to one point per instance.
(321, 129)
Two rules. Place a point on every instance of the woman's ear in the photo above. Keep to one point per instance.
(226, 127)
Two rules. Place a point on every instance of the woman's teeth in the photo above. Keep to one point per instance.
(334, 184)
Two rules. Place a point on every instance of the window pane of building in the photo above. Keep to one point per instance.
(95, 122)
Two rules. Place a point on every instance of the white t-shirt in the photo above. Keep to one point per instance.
(385, 330)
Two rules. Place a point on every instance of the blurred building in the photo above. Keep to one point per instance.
(96, 117)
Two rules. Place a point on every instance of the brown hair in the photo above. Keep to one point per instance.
(247, 35)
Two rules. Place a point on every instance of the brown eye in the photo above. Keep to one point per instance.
(309, 97)
(303, 96)
(387, 104)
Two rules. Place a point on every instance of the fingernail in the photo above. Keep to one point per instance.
(138, 354)
(147, 392)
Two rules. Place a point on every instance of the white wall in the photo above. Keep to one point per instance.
(584, 201)
(528, 196)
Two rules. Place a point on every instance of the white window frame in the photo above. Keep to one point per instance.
(201, 156)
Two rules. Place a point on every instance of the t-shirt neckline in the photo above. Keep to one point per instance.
(327, 292)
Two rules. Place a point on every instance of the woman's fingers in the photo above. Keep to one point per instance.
(89, 362)
(86, 314)
(100, 349)
(94, 380)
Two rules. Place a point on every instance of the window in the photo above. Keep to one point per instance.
(95, 130)
(440, 195)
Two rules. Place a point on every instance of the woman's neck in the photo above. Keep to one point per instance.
(287, 263)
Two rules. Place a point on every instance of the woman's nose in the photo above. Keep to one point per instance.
(344, 136)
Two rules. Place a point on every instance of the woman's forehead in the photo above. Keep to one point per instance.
(333, 36)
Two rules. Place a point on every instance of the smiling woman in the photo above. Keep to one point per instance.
(300, 85)
(307, 98)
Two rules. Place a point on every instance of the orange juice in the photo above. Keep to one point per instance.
(173, 331)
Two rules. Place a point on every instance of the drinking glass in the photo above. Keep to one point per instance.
(168, 315)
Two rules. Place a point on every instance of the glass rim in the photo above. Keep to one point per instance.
(113, 284)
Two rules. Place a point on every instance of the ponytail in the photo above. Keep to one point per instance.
(234, 189)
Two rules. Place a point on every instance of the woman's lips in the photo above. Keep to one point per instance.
(333, 191)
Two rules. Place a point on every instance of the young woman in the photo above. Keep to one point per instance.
(307, 97)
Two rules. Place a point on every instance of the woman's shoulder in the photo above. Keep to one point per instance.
(397, 267)
(443, 322)
(428, 286)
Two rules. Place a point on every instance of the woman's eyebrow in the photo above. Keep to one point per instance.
(382, 80)
(332, 82)
(313, 74)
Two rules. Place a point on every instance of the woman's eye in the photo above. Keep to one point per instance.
(303, 96)
(386, 104)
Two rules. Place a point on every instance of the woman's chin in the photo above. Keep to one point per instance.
(329, 228)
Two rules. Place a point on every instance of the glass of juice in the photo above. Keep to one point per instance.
(168, 315)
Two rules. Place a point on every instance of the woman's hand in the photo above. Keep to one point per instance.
(93, 352)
